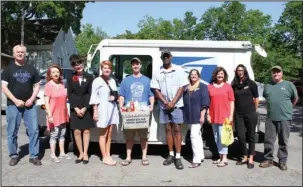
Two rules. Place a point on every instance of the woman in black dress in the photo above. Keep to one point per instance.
(79, 87)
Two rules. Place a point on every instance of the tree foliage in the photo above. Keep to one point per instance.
(232, 21)
(87, 37)
(66, 13)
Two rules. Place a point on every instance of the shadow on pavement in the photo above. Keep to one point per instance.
(44, 144)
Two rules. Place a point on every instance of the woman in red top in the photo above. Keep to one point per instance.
(221, 107)
(55, 96)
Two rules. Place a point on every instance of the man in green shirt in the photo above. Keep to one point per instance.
(281, 97)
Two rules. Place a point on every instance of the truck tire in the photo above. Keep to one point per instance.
(70, 147)
(209, 145)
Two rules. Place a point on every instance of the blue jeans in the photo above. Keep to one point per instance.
(13, 118)
(217, 129)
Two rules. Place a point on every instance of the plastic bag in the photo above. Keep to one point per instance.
(227, 134)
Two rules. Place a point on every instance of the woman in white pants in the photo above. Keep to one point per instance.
(196, 102)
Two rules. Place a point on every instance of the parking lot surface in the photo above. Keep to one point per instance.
(95, 173)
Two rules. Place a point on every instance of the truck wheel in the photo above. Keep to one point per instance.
(70, 146)
(299, 102)
(259, 137)
(208, 154)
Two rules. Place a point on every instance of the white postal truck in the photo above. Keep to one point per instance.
(202, 55)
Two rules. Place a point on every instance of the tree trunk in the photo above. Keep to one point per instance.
(22, 26)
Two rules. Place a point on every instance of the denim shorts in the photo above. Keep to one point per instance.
(175, 116)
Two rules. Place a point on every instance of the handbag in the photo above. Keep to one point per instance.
(112, 92)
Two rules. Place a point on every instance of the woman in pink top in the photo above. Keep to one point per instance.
(221, 107)
(55, 96)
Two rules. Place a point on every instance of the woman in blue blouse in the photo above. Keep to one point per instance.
(196, 102)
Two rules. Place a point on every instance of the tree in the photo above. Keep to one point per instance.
(232, 21)
(16, 14)
(151, 28)
(288, 31)
(128, 35)
(185, 29)
(87, 37)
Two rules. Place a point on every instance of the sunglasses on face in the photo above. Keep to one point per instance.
(165, 56)
(77, 63)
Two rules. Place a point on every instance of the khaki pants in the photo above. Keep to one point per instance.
(131, 133)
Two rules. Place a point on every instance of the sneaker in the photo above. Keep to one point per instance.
(13, 161)
(65, 156)
(55, 159)
(266, 164)
(170, 159)
(35, 161)
(283, 166)
(178, 163)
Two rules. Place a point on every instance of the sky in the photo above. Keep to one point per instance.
(116, 17)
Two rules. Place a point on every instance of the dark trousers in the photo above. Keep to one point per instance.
(246, 125)
(272, 129)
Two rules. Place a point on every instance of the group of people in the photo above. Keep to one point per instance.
(96, 102)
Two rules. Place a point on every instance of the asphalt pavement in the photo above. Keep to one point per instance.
(68, 173)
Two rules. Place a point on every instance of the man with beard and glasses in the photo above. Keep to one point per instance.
(281, 97)
(168, 86)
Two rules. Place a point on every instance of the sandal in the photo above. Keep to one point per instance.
(145, 162)
(194, 165)
(109, 162)
(126, 162)
(217, 161)
(222, 164)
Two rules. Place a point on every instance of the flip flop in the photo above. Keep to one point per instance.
(194, 165)
(217, 161)
(126, 162)
(222, 164)
(145, 162)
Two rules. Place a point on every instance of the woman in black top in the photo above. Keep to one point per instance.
(196, 102)
(79, 88)
(246, 105)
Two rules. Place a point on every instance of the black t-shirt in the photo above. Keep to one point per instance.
(244, 95)
(21, 80)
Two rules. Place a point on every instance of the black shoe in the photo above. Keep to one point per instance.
(266, 164)
(283, 166)
(178, 163)
(35, 161)
(170, 159)
(77, 161)
(240, 162)
(85, 161)
(13, 161)
(250, 165)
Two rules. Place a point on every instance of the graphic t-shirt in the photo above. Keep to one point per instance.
(20, 80)
(136, 89)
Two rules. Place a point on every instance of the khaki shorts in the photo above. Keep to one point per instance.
(131, 133)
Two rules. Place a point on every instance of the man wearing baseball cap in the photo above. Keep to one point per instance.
(168, 86)
(136, 87)
(281, 96)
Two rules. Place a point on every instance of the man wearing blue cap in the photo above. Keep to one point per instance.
(168, 86)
